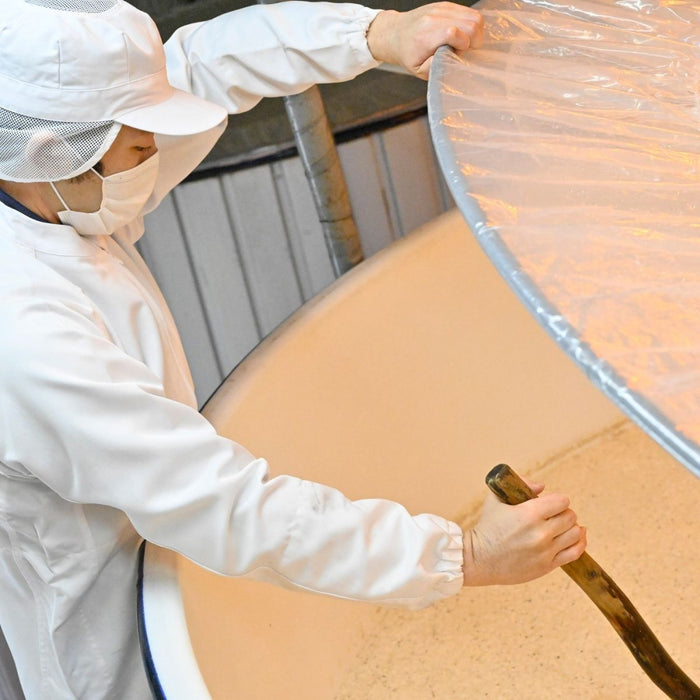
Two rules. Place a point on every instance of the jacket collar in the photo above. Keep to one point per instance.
(41, 236)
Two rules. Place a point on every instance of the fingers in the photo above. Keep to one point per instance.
(550, 504)
(514, 544)
(577, 537)
(410, 39)
(562, 522)
(437, 30)
(561, 538)
(452, 37)
(468, 33)
(568, 537)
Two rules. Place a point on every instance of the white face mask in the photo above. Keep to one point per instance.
(123, 197)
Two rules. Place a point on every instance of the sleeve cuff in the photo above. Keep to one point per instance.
(359, 18)
(451, 562)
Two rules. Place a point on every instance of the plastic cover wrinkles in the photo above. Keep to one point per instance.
(571, 143)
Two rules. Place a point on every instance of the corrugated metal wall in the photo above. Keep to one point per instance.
(237, 253)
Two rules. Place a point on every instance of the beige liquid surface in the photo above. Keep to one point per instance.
(409, 380)
(546, 639)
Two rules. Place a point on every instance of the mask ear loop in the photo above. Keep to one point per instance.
(58, 194)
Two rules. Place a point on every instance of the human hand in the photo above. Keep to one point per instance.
(409, 39)
(515, 544)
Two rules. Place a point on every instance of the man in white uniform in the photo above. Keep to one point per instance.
(101, 444)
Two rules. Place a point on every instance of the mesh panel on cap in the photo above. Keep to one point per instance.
(37, 150)
(75, 5)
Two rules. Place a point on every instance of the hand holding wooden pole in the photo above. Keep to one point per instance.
(609, 599)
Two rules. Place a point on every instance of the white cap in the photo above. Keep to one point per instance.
(103, 60)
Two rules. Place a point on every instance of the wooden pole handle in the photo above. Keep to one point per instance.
(609, 599)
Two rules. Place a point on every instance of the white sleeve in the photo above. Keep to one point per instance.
(95, 426)
(269, 51)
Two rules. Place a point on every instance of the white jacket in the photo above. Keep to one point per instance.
(101, 443)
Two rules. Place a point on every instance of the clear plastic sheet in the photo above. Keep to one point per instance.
(571, 144)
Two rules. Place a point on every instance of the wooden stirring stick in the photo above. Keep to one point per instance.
(609, 599)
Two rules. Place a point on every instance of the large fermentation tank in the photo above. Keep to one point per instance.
(408, 379)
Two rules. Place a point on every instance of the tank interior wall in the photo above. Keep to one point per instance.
(236, 253)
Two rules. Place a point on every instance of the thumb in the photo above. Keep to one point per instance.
(535, 486)
(423, 70)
